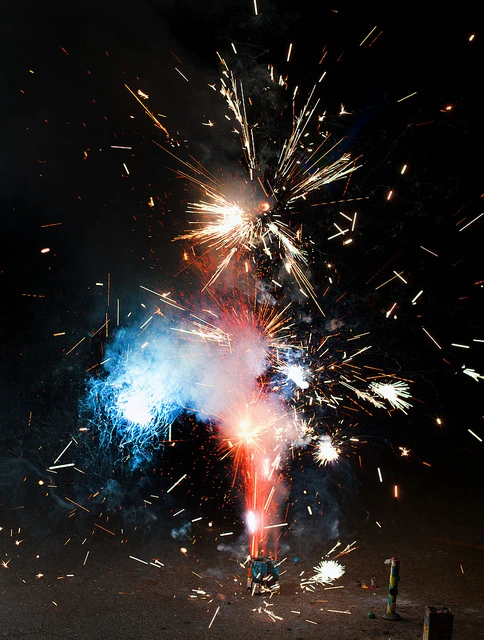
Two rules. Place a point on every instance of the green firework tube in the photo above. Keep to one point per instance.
(391, 613)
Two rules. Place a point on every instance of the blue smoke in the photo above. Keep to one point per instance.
(139, 393)
(149, 380)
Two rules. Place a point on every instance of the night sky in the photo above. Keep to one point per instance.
(65, 188)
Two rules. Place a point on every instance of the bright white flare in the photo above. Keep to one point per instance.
(394, 392)
(327, 571)
(326, 451)
(135, 409)
(251, 521)
(297, 374)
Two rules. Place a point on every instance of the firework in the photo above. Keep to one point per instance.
(245, 364)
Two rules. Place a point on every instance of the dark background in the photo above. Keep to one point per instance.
(58, 126)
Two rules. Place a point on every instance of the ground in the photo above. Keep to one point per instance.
(202, 593)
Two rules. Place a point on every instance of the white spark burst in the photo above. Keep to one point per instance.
(327, 572)
(394, 392)
(297, 374)
(326, 451)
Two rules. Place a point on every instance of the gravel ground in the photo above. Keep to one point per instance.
(439, 539)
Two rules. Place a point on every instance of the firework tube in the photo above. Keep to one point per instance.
(393, 591)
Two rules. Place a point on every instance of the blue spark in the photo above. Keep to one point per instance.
(137, 396)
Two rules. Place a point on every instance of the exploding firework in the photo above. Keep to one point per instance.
(277, 385)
